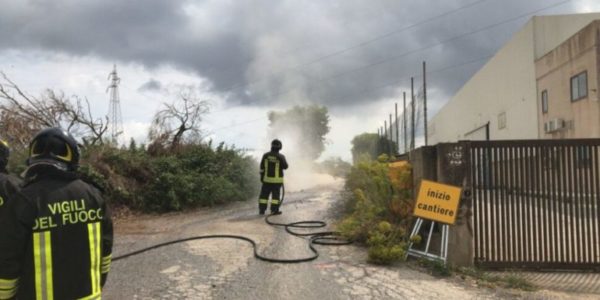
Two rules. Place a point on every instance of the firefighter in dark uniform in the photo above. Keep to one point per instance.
(57, 240)
(8, 192)
(6, 178)
(9, 184)
(272, 165)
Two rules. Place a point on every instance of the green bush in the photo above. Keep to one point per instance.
(192, 176)
(377, 210)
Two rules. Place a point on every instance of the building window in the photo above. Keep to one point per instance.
(502, 120)
(544, 101)
(579, 86)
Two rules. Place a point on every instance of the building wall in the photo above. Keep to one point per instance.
(551, 31)
(503, 93)
(554, 72)
(506, 84)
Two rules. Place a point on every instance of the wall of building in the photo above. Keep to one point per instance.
(506, 84)
(504, 92)
(551, 31)
(554, 72)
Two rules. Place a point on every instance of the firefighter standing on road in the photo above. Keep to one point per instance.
(272, 165)
(57, 240)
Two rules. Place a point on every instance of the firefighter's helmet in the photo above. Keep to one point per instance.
(276, 145)
(54, 146)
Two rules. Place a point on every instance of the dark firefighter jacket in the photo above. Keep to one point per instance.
(55, 239)
(8, 188)
(272, 165)
(9, 179)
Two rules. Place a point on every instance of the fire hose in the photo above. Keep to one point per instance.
(332, 238)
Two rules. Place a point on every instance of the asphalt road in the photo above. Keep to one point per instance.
(226, 269)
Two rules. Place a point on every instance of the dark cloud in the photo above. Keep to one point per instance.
(340, 53)
(151, 85)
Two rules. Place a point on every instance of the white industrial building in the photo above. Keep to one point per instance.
(501, 100)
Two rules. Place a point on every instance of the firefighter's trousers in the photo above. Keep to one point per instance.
(273, 189)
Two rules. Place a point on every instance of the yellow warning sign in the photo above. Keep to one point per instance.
(437, 202)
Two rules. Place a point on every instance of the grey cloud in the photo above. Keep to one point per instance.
(262, 52)
(151, 85)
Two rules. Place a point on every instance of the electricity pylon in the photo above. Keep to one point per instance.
(114, 115)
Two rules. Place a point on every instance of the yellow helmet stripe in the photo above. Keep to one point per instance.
(69, 155)
(31, 149)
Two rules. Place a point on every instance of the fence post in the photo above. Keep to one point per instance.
(424, 165)
(453, 167)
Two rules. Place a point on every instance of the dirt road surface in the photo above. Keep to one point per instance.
(226, 269)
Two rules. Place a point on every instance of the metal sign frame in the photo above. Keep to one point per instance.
(426, 254)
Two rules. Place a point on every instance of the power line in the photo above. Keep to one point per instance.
(358, 45)
(414, 51)
(444, 41)
(287, 51)
(380, 62)
(428, 73)
(385, 35)
(371, 89)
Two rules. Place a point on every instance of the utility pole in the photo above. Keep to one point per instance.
(385, 128)
(412, 113)
(114, 115)
(391, 137)
(397, 133)
(385, 136)
(378, 133)
(404, 123)
(425, 99)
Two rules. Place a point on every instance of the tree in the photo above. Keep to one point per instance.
(303, 129)
(179, 121)
(335, 166)
(22, 115)
(370, 145)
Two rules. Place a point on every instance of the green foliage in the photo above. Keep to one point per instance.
(335, 167)
(518, 282)
(195, 175)
(492, 279)
(377, 211)
(436, 267)
(305, 127)
(416, 239)
(16, 161)
(370, 146)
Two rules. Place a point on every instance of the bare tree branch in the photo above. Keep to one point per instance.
(23, 115)
(179, 122)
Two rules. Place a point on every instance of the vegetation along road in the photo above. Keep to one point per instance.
(226, 269)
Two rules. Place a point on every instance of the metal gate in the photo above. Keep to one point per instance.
(536, 203)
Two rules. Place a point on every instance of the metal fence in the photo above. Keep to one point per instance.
(536, 203)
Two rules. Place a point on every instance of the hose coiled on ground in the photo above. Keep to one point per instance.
(320, 238)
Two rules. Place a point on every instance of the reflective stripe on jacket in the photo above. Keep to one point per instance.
(60, 236)
(272, 166)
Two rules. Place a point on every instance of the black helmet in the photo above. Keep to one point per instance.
(276, 145)
(56, 147)
(4, 154)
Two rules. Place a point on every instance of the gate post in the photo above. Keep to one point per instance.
(453, 168)
(423, 161)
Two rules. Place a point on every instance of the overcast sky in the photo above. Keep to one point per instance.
(249, 57)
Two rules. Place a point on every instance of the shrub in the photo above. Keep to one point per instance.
(194, 175)
(378, 209)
